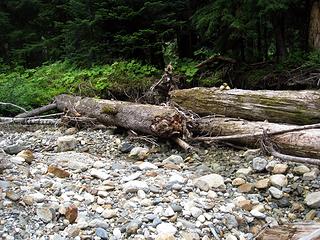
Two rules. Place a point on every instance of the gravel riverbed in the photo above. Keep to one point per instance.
(58, 183)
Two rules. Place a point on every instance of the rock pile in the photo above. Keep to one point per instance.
(57, 184)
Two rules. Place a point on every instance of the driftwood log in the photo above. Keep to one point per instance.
(293, 107)
(298, 231)
(305, 143)
(158, 121)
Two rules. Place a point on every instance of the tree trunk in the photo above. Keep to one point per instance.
(294, 107)
(278, 27)
(296, 231)
(304, 143)
(148, 119)
(314, 27)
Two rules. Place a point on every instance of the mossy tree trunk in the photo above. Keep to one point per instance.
(148, 119)
(314, 26)
(294, 107)
(304, 143)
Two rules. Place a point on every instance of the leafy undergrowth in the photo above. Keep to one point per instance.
(32, 88)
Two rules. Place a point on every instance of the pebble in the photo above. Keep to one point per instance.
(275, 192)
(205, 183)
(166, 228)
(66, 143)
(139, 153)
(313, 200)
(134, 186)
(100, 173)
(238, 181)
(147, 166)
(176, 159)
(102, 233)
(278, 180)
(46, 214)
(263, 183)
(300, 170)
(259, 164)
(279, 168)
(246, 188)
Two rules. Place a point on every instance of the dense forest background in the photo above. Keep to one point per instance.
(117, 48)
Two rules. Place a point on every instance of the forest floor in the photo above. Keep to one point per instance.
(112, 187)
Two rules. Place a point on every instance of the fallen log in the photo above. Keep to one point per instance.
(294, 107)
(297, 231)
(303, 142)
(37, 111)
(159, 121)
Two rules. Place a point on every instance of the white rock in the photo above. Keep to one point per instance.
(134, 186)
(313, 200)
(109, 213)
(166, 228)
(139, 153)
(132, 177)
(66, 143)
(89, 198)
(147, 166)
(212, 194)
(244, 171)
(205, 183)
(195, 212)
(174, 159)
(275, 192)
(259, 164)
(168, 212)
(278, 180)
(117, 233)
(231, 237)
(45, 214)
(37, 197)
(176, 178)
(100, 173)
(255, 213)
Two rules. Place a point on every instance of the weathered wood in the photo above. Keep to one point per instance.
(304, 143)
(297, 231)
(37, 111)
(294, 107)
(148, 119)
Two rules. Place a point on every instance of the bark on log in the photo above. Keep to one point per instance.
(148, 119)
(301, 231)
(304, 143)
(294, 107)
(37, 111)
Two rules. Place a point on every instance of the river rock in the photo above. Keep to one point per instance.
(134, 186)
(313, 200)
(300, 170)
(278, 180)
(166, 228)
(263, 183)
(176, 159)
(27, 155)
(66, 143)
(275, 192)
(279, 168)
(205, 183)
(259, 164)
(139, 153)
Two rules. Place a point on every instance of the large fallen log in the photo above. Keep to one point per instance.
(159, 121)
(297, 231)
(304, 143)
(294, 107)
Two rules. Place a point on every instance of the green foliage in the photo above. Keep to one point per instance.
(187, 67)
(35, 87)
